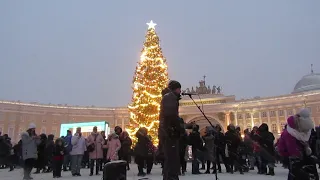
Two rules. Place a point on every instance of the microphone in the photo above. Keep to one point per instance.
(188, 94)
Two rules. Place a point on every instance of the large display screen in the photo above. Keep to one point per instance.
(86, 128)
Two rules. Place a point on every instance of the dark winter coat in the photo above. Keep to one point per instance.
(266, 142)
(209, 153)
(125, 147)
(67, 142)
(169, 116)
(183, 143)
(195, 141)
(232, 140)
(4, 147)
(42, 160)
(56, 153)
(141, 148)
(50, 145)
(220, 141)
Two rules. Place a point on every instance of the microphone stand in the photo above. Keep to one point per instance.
(215, 147)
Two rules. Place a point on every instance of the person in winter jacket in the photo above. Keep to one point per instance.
(267, 151)
(220, 144)
(30, 141)
(113, 146)
(170, 129)
(183, 144)
(68, 148)
(209, 148)
(78, 148)
(42, 160)
(57, 158)
(126, 144)
(150, 156)
(141, 149)
(233, 141)
(5, 148)
(294, 144)
(49, 151)
(96, 141)
(196, 142)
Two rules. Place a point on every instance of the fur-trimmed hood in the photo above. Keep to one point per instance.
(301, 122)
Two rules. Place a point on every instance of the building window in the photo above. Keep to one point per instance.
(43, 130)
(309, 109)
(272, 113)
(274, 128)
(264, 114)
(290, 112)
(248, 115)
(54, 132)
(281, 113)
(12, 117)
(21, 118)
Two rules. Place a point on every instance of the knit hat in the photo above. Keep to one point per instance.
(173, 85)
(32, 126)
(301, 122)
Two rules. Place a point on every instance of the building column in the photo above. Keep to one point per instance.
(285, 115)
(236, 118)
(122, 124)
(115, 122)
(269, 121)
(252, 121)
(227, 119)
(294, 111)
(260, 118)
(278, 121)
(244, 121)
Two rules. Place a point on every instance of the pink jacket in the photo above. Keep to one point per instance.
(113, 146)
(98, 141)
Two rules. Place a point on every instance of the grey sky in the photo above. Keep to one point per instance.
(85, 53)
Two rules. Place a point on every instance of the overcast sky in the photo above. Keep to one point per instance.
(85, 52)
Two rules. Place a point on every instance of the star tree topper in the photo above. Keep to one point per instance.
(151, 25)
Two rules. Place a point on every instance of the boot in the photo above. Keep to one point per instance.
(271, 171)
(37, 171)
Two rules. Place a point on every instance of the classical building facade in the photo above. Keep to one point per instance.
(220, 109)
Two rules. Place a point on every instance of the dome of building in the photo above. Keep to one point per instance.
(309, 82)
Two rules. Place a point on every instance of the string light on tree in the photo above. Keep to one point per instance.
(150, 78)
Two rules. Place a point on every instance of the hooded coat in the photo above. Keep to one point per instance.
(98, 141)
(265, 140)
(29, 146)
(209, 145)
(113, 146)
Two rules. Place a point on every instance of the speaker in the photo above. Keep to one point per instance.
(115, 170)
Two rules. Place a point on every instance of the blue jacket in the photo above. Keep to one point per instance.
(68, 145)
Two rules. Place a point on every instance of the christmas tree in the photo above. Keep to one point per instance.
(150, 78)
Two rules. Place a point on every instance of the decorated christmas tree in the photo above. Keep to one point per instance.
(150, 78)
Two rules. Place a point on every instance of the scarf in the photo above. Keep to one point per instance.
(300, 136)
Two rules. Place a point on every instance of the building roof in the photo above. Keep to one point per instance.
(309, 82)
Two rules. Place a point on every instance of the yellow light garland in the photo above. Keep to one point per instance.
(151, 77)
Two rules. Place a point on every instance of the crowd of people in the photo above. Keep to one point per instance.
(48, 154)
(298, 148)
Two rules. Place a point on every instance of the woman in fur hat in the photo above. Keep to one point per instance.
(294, 144)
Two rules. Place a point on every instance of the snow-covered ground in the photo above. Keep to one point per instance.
(281, 174)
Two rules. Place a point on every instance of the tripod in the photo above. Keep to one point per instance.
(204, 115)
